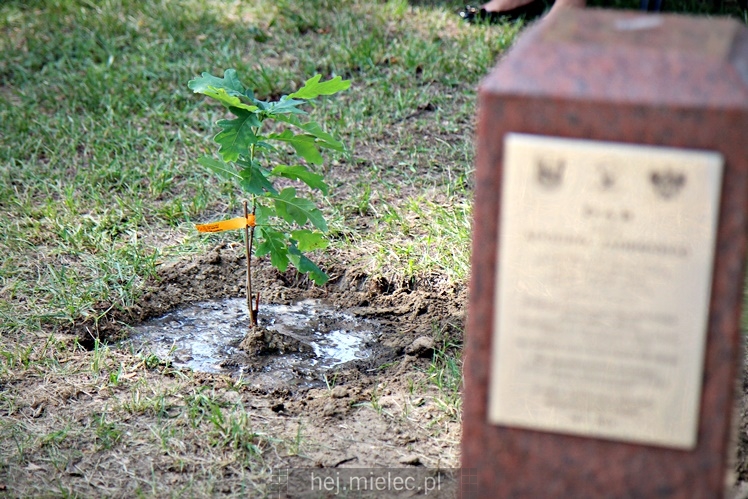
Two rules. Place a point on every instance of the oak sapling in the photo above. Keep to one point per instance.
(284, 224)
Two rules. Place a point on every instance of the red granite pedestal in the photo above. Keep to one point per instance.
(623, 77)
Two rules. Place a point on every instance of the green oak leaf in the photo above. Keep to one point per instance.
(265, 145)
(220, 168)
(308, 240)
(312, 87)
(263, 214)
(253, 179)
(306, 266)
(230, 82)
(237, 134)
(324, 139)
(299, 210)
(304, 145)
(284, 106)
(273, 243)
(229, 100)
(300, 172)
(226, 90)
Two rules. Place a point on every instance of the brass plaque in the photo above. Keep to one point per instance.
(604, 279)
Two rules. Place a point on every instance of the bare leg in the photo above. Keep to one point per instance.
(568, 3)
(504, 5)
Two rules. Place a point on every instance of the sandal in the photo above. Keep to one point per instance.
(479, 15)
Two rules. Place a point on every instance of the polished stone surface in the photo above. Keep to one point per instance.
(624, 77)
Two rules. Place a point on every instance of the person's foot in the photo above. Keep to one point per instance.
(509, 10)
(503, 10)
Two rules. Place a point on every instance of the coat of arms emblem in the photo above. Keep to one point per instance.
(549, 174)
(667, 183)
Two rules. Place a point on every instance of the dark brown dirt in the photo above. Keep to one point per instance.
(416, 317)
(409, 308)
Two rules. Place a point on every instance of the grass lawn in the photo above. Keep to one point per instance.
(100, 188)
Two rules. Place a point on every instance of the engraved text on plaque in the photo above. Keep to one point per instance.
(604, 279)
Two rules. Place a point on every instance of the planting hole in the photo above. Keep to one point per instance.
(300, 343)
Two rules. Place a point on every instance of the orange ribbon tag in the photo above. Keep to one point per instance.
(234, 223)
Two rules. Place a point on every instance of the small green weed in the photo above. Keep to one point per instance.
(445, 372)
(234, 431)
(294, 448)
(202, 405)
(332, 381)
(55, 438)
(107, 432)
(144, 400)
(100, 353)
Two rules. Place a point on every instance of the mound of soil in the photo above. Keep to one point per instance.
(415, 318)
